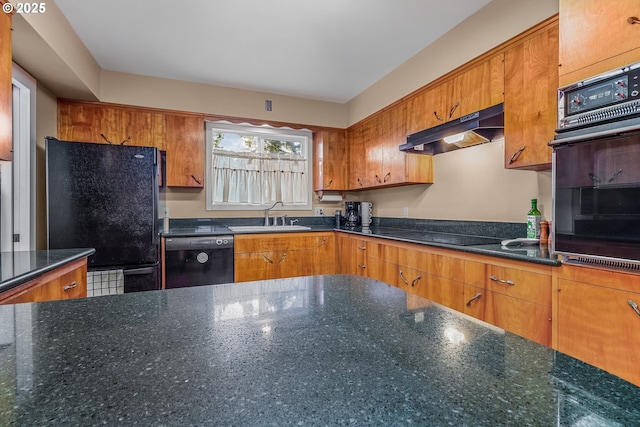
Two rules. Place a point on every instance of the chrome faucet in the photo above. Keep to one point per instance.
(266, 213)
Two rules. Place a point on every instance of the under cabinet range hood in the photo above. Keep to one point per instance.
(472, 129)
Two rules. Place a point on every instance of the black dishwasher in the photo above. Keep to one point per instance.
(198, 261)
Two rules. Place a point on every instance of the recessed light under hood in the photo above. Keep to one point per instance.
(472, 129)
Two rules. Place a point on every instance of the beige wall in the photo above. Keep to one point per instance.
(46, 125)
(469, 184)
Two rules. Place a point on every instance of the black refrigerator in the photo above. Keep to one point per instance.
(106, 197)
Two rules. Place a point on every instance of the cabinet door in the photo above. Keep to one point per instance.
(80, 122)
(137, 127)
(358, 157)
(392, 134)
(477, 88)
(427, 109)
(330, 161)
(595, 37)
(185, 151)
(6, 96)
(597, 324)
(530, 116)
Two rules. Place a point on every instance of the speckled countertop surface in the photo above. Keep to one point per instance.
(441, 233)
(20, 267)
(325, 350)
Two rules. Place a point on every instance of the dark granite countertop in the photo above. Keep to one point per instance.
(324, 350)
(477, 237)
(20, 267)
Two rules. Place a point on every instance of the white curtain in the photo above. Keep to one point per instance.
(259, 179)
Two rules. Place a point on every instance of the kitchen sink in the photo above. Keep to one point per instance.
(267, 229)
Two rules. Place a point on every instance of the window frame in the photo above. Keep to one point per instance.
(261, 131)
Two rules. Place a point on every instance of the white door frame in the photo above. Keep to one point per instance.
(24, 143)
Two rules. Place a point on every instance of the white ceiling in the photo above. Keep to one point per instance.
(327, 50)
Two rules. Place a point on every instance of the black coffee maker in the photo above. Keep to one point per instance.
(352, 215)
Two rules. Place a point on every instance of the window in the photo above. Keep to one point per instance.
(252, 167)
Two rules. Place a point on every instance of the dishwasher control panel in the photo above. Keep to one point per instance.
(208, 242)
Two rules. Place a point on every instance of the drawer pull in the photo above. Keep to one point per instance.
(362, 247)
(633, 20)
(324, 240)
(508, 282)
(406, 282)
(71, 286)
(633, 305)
(362, 266)
(517, 154)
(267, 258)
(387, 177)
(416, 280)
(284, 255)
(475, 297)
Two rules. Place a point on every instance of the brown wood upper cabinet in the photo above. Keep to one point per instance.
(374, 158)
(185, 151)
(479, 87)
(530, 99)
(330, 151)
(6, 136)
(104, 123)
(597, 36)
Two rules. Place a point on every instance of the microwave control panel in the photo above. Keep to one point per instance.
(605, 98)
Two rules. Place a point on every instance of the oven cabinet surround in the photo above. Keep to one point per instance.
(330, 154)
(512, 295)
(595, 37)
(280, 255)
(6, 96)
(374, 158)
(181, 135)
(531, 99)
(595, 321)
(66, 282)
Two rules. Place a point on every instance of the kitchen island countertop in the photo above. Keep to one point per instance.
(321, 350)
(21, 266)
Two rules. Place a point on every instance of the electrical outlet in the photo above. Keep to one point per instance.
(319, 211)
(405, 212)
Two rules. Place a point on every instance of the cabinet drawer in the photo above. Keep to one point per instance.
(524, 318)
(280, 242)
(526, 285)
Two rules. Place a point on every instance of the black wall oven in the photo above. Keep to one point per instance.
(596, 171)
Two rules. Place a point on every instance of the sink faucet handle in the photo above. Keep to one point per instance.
(293, 221)
(284, 219)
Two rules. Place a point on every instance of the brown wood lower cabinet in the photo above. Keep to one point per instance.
(512, 296)
(596, 320)
(69, 281)
(274, 256)
(515, 296)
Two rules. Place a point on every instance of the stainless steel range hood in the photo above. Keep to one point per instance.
(472, 129)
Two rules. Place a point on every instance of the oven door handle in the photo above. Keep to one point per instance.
(136, 271)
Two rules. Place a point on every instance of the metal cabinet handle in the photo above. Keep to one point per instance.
(453, 109)
(633, 20)
(267, 258)
(475, 297)
(435, 113)
(284, 255)
(71, 286)
(516, 154)
(416, 280)
(378, 179)
(406, 282)
(362, 247)
(634, 306)
(615, 176)
(329, 183)
(196, 180)
(362, 266)
(359, 182)
(387, 176)
(324, 240)
(508, 282)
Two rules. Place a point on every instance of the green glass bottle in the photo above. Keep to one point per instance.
(533, 221)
